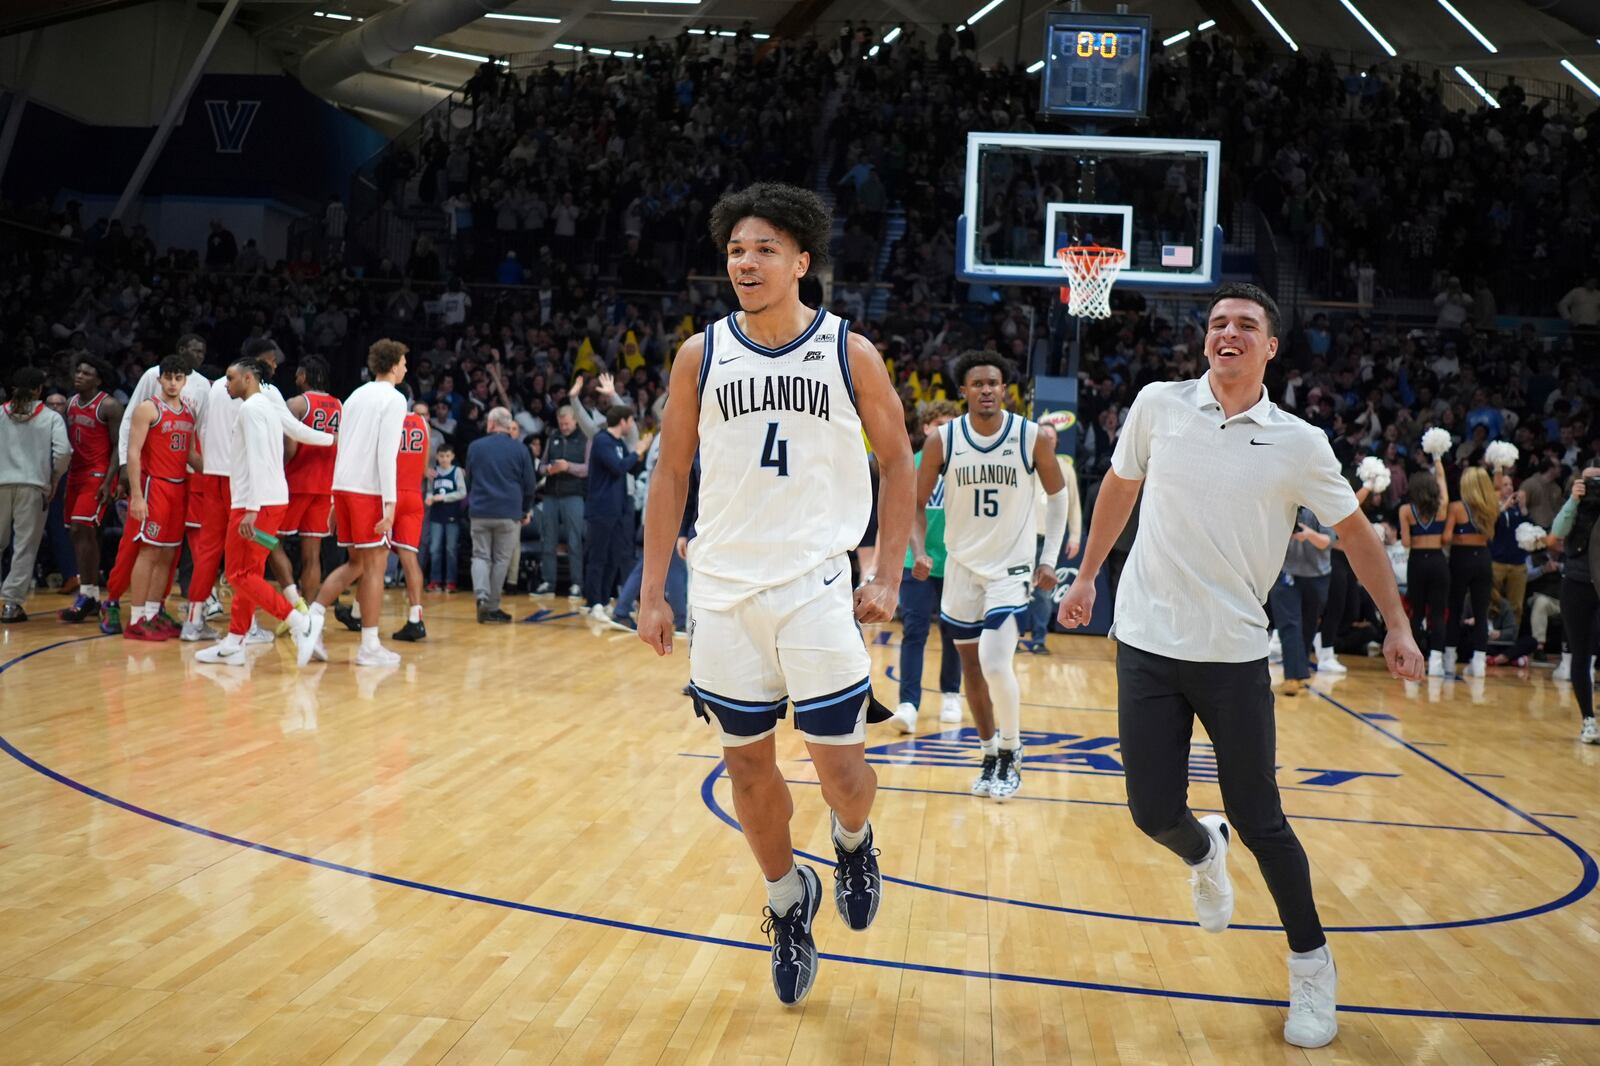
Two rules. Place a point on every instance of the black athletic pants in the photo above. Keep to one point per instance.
(1428, 589)
(1158, 700)
(1341, 584)
(1471, 576)
(1579, 608)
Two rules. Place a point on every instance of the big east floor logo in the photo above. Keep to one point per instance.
(230, 123)
(1076, 753)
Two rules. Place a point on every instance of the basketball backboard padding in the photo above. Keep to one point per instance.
(1028, 194)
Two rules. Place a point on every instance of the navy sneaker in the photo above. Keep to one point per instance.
(857, 884)
(794, 952)
(623, 622)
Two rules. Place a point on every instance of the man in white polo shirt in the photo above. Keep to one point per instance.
(1223, 473)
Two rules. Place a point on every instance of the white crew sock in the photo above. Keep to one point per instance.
(785, 892)
(317, 608)
(369, 638)
(1320, 954)
(996, 649)
(847, 840)
(991, 745)
(291, 592)
(355, 610)
(152, 608)
(233, 642)
(197, 612)
(415, 614)
(91, 591)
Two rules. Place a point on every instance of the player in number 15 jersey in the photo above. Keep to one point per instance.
(989, 459)
(774, 398)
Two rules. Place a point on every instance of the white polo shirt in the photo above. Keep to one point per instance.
(1220, 499)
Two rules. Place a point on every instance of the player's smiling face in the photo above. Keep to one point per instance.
(764, 263)
(1238, 340)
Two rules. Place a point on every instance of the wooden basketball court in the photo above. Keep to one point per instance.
(516, 847)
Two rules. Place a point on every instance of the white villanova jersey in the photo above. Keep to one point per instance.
(990, 493)
(783, 467)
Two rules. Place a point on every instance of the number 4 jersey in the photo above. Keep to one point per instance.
(990, 496)
(783, 468)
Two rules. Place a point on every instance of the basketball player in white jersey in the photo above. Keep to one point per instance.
(989, 459)
(774, 398)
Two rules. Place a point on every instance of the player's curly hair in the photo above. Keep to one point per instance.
(975, 357)
(384, 355)
(101, 368)
(798, 212)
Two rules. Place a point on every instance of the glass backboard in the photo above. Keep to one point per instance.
(1030, 194)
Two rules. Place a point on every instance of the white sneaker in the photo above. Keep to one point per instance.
(306, 628)
(319, 652)
(599, 613)
(905, 718)
(257, 635)
(950, 709)
(1563, 668)
(1274, 648)
(193, 631)
(379, 656)
(1479, 664)
(1213, 891)
(1435, 664)
(1449, 662)
(1591, 732)
(543, 589)
(1313, 995)
(574, 591)
(1328, 663)
(221, 653)
(213, 608)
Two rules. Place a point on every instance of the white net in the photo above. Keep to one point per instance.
(1092, 271)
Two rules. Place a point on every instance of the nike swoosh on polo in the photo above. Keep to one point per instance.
(1260, 443)
(831, 580)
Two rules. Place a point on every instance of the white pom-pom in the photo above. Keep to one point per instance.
(1500, 455)
(1369, 469)
(1380, 484)
(1436, 441)
(1530, 537)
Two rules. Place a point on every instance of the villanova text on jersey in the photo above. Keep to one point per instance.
(986, 474)
(753, 395)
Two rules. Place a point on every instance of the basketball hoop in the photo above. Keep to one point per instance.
(1092, 270)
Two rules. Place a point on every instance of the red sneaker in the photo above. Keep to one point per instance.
(432, 586)
(450, 587)
(164, 624)
(141, 631)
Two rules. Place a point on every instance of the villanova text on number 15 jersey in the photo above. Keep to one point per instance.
(990, 495)
(784, 485)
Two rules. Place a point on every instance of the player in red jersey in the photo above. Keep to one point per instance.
(309, 471)
(161, 449)
(92, 421)
(405, 539)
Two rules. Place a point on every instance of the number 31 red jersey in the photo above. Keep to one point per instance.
(166, 445)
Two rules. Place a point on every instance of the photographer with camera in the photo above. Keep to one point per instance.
(1576, 525)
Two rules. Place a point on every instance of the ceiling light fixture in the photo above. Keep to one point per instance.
(1206, 25)
(1581, 76)
(1461, 72)
(1470, 28)
(338, 16)
(1037, 67)
(972, 19)
(523, 18)
(1276, 25)
(1175, 38)
(1369, 27)
(892, 36)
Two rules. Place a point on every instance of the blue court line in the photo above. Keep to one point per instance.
(1537, 814)
(1471, 774)
(702, 938)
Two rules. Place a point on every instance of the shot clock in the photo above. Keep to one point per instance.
(1096, 66)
